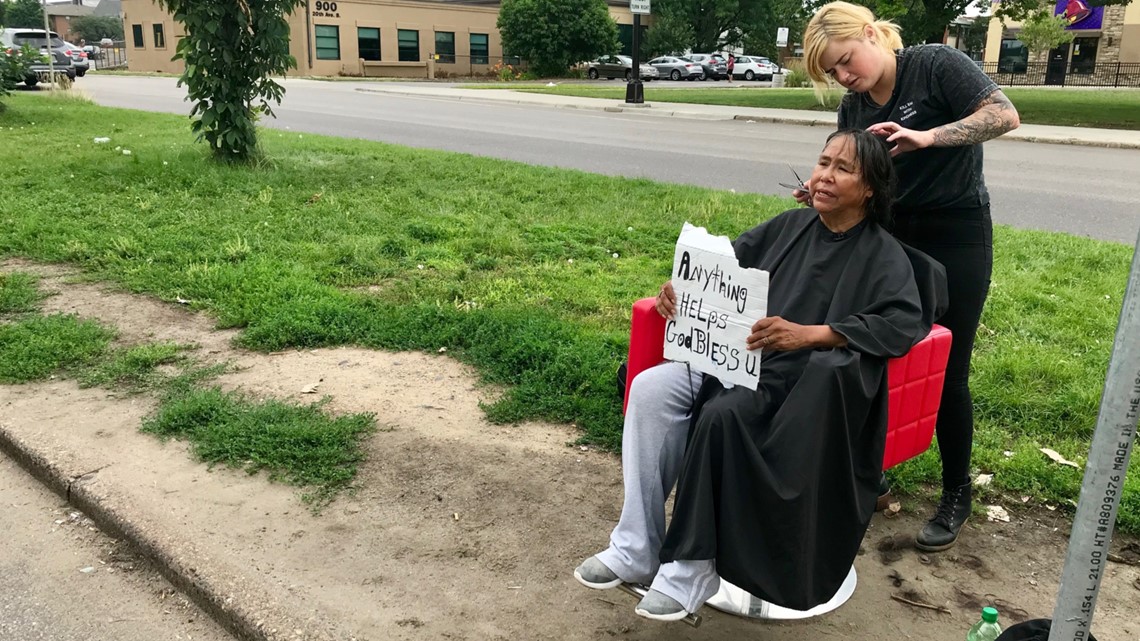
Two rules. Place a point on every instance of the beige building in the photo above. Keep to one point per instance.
(397, 38)
(1104, 37)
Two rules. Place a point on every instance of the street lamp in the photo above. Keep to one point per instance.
(635, 91)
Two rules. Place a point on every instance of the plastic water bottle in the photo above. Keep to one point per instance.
(987, 629)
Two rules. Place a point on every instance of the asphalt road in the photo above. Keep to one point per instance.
(1086, 191)
(61, 579)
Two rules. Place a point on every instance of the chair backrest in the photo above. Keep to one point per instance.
(914, 380)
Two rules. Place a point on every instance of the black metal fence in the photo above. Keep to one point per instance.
(112, 57)
(1017, 73)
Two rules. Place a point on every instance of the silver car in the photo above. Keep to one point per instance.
(713, 65)
(78, 58)
(610, 67)
(677, 68)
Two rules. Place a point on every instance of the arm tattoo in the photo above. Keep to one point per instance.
(994, 116)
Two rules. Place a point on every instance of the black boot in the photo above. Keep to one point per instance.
(884, 500)
(941, 532)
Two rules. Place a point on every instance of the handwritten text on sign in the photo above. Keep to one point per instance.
(717, 303)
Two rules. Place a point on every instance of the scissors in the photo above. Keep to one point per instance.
(800, 187)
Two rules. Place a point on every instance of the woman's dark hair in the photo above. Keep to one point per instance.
(876, 169)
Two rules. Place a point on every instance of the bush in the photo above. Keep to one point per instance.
(796, 76)
(13, 66)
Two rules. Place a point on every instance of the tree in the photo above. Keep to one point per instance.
(715, 24)
(95, 28)
(921, 20)
(1042, 31)
(230, 50)
(3, 10)
(27, 14)
(670, 35)
(761, 38)
(554, 34)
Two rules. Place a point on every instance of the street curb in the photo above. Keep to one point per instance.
(826, 121)
(1070, 141)
(231, 616)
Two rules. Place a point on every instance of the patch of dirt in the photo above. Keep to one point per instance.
(461, 529)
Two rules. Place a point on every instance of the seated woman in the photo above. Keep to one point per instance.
(776, 487)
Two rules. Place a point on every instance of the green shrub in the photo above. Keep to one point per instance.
(796, 76)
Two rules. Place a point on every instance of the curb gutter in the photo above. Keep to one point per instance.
(200, 589)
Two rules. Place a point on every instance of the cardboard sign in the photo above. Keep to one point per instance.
(717, 302)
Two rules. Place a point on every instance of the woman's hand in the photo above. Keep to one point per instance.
(666, 301)
(776, 334)
(904, 139)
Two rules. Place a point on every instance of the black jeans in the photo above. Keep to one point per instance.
(962, 240)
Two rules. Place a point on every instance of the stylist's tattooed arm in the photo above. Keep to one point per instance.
(994, 116)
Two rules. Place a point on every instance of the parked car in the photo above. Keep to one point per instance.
(78, 58)
(611, 67)
(754, 68)
(713, 65)
(13, 39)
(676, 68)
(94, 52)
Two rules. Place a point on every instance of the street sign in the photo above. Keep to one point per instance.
(640, 7)
(782, 37)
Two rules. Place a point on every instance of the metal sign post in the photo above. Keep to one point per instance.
(635, 90)
(1103, 485)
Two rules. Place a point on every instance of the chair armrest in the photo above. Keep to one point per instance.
(646, 341)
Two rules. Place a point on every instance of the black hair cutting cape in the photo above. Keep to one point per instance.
(779, 484)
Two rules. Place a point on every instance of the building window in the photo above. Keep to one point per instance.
(445, 46)
(368, 41)
(480, 50)
(137, 36)
(409, 40)
(1084, 55)
(159, 37)
(328, 42)
(1013, 56)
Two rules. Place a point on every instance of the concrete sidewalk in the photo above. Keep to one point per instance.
(1087, 136)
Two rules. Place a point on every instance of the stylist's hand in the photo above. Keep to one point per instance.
(666, 301)
(776, 334)
(803, 196)
(900, 139)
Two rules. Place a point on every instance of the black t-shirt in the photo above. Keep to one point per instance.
(935, 85)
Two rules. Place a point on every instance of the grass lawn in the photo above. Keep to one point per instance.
(298, 444)
(1112, 109)
(525, 272)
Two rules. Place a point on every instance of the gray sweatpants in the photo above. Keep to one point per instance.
(653, 449)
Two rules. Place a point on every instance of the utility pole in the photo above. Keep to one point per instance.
(1103, 487)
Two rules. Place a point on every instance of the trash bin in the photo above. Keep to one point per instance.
(777, 80)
